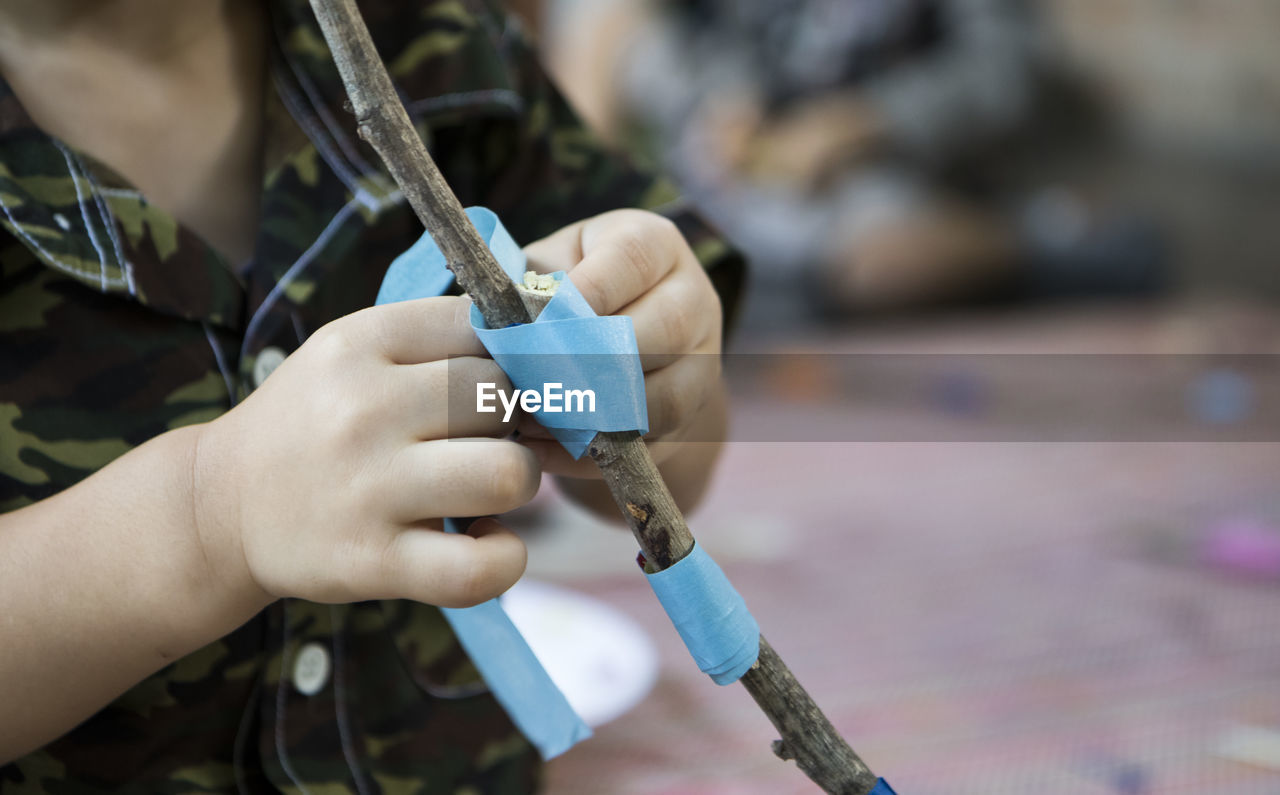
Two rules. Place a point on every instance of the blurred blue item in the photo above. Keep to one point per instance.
(1130, 779)
(961, 393)
(1071, 250)
(1221, 397)
(1121, 776)
(882, 788)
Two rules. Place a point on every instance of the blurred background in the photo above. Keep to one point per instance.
(1002, 481)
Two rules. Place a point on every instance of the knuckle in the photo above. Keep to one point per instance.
(663, 236)
(624, 216)
(347, 416)
(663, 226)
(677, 328)
(334, 342)
(636, 253)
(636, 216)
(513, 477)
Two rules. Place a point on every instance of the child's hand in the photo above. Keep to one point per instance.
(636, 263)
(329, 482)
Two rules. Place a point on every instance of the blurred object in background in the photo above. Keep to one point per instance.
(1193, 88)
(1244, 546)
(871, 154)
(981, 608)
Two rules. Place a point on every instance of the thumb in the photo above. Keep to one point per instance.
(455, 569)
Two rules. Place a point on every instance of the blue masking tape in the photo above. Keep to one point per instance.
(568, 344)
(882, 788)
(710, 616)
(510, 669)
(421, 271)
(519, 682)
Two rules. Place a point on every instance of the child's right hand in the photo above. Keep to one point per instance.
(329, 482)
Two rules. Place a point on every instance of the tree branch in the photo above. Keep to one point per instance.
(632, 477)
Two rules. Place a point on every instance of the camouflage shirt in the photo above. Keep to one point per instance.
(117, 324)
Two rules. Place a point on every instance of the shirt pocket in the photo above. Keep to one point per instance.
(430, 652)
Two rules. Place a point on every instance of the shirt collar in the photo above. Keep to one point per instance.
(441, 56)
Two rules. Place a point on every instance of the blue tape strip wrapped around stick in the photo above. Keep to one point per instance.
(567, 345)
(882, 788)
(712, 619)
(570, 346)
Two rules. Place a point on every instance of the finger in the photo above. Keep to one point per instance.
(557, 461)
(675, 394)
(440, 399)
(411, 332)
(460, 477)
(559, 251)
(527, 426)
(454, 570)
(624, 253)
(678, 315)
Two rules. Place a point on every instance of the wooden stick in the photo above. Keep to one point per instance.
(386, 126)
(632, 477)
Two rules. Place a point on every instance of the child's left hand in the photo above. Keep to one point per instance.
(636, 263)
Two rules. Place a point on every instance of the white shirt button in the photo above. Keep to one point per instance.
(269, 358)
(311, 669)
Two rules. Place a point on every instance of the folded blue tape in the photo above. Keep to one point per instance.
(882, 788)
(711, 617)
(567, 345)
